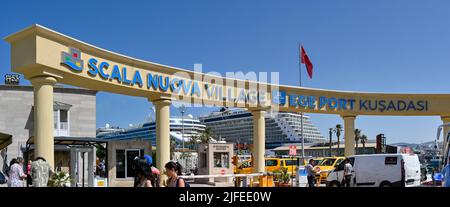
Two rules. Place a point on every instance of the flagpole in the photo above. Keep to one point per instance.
(301, 113)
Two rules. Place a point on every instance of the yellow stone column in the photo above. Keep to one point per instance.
(349, 134)
(162, 109)
(43, 117)
(259, 141)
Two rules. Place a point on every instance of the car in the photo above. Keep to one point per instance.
(272, 165)
(291, 164)
(317, 160)
(328, 164)
(379, 170)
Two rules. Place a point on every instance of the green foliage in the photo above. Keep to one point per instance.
(203, 138)
(59, 179)
(282, 175)
(100, 152)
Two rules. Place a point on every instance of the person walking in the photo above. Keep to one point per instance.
(16, 174)
(173, 170)
(143, 173)
(155, 171)
(348, 168)
(29, 179)
(446, 174)
(311, 173)
(102, 169)
(40, 172)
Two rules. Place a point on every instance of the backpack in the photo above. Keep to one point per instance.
(185, 183)
(3, 178)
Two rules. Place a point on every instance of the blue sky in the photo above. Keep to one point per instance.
(376, 46)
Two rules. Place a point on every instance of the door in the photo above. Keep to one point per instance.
(130, 155)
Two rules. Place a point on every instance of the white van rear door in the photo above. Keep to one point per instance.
(412, 170)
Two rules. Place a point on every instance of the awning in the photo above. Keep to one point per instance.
(88, 141)
(5, 140)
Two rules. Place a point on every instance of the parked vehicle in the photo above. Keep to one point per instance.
(326, 166)
(379, 170)
(272, 164)
(291, 165)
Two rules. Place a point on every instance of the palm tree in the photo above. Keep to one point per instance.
(331, 139)
(357, 137)
(204, 137)
(363, 142)
(338, 131)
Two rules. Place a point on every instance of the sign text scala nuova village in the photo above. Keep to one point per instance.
(245, 95)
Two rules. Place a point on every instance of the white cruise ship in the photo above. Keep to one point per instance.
(192, 127)
(281, 128)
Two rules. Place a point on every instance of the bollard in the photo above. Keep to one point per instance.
(266, 180)
(245, 182)
(263, 181)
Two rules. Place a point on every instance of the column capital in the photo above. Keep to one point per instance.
(445, 118)
(43, 80)
(165, 100)
(259, 109)
(348, 116)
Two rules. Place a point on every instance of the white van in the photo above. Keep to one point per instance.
(379, 170)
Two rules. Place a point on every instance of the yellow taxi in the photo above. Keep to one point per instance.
(272, 164)
(244, 168)
(326, 165)
(291, 164)
(317, 160)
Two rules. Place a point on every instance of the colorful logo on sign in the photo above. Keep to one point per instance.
(72, 59)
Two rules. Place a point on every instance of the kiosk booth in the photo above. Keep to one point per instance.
(215, 159)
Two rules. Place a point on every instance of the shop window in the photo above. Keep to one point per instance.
(221, 159)
(124, 162)
(120, 163)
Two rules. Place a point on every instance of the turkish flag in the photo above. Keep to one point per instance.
(305, 60)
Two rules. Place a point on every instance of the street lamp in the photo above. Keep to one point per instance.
(192, 125)
(182, 111)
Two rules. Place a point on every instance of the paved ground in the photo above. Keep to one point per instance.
(200, 185)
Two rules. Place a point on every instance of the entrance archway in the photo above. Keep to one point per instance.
(46, 57)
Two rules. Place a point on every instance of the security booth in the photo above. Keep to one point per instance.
(75, 156)
(215, 159)
(121, 154)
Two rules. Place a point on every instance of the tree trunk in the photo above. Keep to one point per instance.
(356, 150)
(364, 148)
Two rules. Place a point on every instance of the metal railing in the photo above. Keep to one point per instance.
(248, 180)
